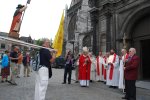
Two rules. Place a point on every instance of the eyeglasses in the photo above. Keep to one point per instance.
(47, 42)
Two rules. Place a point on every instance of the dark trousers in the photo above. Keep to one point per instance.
(130, 89)
(68, 71)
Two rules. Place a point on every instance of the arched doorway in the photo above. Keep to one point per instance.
(72, 27)
(141, 40)
(138, 32)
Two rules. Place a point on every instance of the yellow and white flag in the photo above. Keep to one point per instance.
(58, 41)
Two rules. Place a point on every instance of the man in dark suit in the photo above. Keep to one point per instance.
(131, 74)
(26, 63)
(68, 66)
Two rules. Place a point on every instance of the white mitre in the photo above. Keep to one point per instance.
(85, 49)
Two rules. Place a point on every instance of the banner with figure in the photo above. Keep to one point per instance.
(58, 41)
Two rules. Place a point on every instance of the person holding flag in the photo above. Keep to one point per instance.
(45, 72)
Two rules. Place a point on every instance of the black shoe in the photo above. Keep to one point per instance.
(115, 87)
(76, 81)
(18, 77)
(125, 90)
(91, 81)
(69, 83)
(110, 86)
(63, 83)
(2, 81)
(124, 98)
(14, 83)
(9, 82)
(98, 81)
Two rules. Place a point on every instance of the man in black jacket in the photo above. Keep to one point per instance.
(68, 67)
(26, 63)
(13, 64)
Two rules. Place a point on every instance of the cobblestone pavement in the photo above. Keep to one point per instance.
(57, 91)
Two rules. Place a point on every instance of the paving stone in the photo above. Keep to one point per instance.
(57, 91)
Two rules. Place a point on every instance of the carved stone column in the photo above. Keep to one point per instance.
(94, 21)
(108, 31)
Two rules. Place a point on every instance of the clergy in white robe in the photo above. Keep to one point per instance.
(113, 70)
(93, 68)
(121, 69)
(106, 65)
(99, 67)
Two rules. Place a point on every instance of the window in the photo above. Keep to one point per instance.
(2, 46)
(87, 41)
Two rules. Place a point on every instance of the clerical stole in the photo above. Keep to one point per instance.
(112, 67)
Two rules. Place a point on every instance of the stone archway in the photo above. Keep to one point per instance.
(137, 30)
(132, 18)
(140, 34)
(72, 27)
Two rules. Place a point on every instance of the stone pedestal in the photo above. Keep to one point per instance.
(14, 35)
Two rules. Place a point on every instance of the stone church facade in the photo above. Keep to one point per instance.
(105, 24)
(123, 24)
(78, 27)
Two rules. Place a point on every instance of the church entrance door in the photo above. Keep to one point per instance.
(145, 47)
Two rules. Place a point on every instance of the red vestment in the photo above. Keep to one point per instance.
(16, 20)
(98, 70)
(84, 68)
(104, 70)
(112, 68)
(126, 57)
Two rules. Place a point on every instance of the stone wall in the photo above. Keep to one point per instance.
(82, 25)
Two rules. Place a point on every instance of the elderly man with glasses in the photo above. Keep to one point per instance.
(131, 74)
